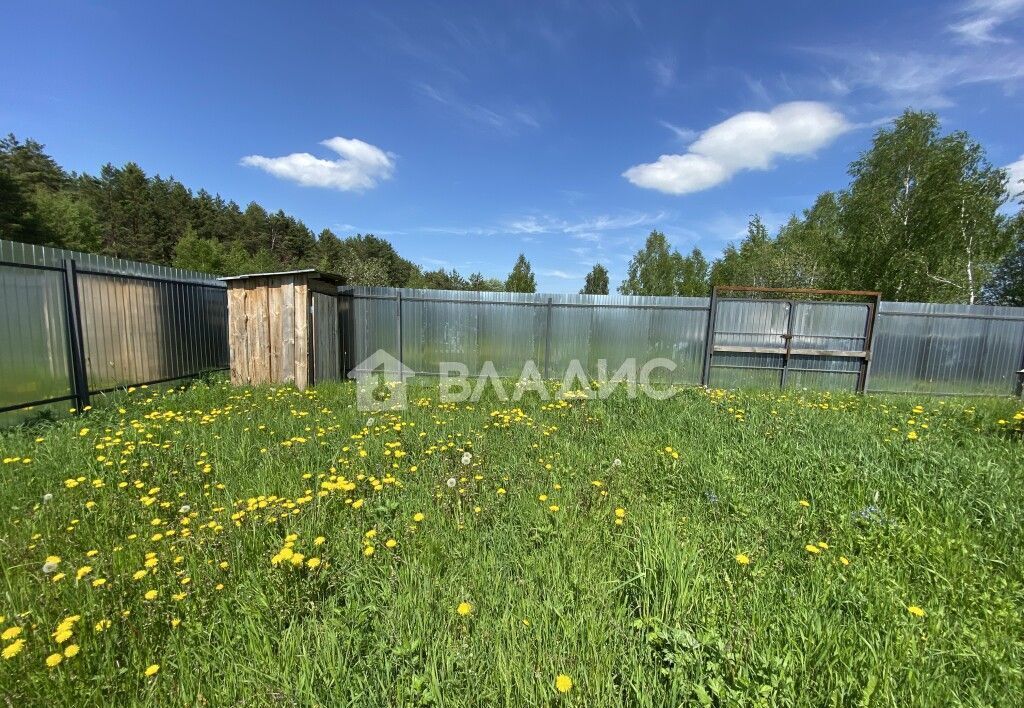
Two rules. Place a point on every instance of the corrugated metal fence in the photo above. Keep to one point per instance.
(917, 347)
(74, 324)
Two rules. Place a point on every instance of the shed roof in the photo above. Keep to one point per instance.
(311, 272)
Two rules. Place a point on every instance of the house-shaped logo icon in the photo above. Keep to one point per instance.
(380, 382)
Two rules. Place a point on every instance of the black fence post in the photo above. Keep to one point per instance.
(79, 377)
(709, 339)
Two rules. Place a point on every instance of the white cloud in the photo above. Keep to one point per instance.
(560, 274)
(980, 19)
(746, 141)
(1015, 172)
(361, 166)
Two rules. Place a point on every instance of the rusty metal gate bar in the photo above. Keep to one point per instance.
(787, 353)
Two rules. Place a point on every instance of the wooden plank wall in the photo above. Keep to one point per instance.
(268, 330)
(301, 333)
(287, 358)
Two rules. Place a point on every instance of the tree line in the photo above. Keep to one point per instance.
(924, 218)
(123, 212)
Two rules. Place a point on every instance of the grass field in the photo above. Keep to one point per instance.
(219, 546)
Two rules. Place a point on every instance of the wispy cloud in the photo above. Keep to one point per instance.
(684, 135)
(361, 166)
(747, 141)
(988, 47)
(920, 79)
(980, 20)
(561, 274)
(663, 69)
(584, 229)
(510, 119)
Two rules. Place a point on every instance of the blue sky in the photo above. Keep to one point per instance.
(468, 132)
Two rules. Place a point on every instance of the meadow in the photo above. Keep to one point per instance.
(208, 545)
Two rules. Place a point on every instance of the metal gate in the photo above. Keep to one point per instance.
(790, 343)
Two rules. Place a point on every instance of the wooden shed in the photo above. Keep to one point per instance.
(284, 328)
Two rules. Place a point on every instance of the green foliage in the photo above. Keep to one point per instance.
(521, 279)
(195, 253)
(652, 271)
(920, 221)
(1007, 284)
(596, 282)
(659, 270)
(692, 275)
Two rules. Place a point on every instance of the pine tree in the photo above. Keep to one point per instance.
(596, 282)
(521, 279)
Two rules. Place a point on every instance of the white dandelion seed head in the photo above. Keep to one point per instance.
(370, 422)
(616, 462)
(451, 483)
(47, 498)
(185, 508)
(467, 457)
(49, 567)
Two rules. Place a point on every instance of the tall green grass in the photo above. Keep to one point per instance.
(655, 611)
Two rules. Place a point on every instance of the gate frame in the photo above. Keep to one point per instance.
(787, 352)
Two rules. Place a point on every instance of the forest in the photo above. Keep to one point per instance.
(925, 217)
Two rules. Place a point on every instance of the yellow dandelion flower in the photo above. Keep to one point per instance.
(553, 508)
(151, 669)
(811, 548)
(464, 609)
(620, 513)
(418, 517)
(151, 594)
(102, 625)
(71, 650)
(912, 435)
(368, 551)
(804, 503)
(319, 541)
(313, 563)
(563, 683)
(916, 611)
(53, 659)
(10, 633)
(99, 582)
(391, 543)
(13, 649)
(743, 559)
(844, 560)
